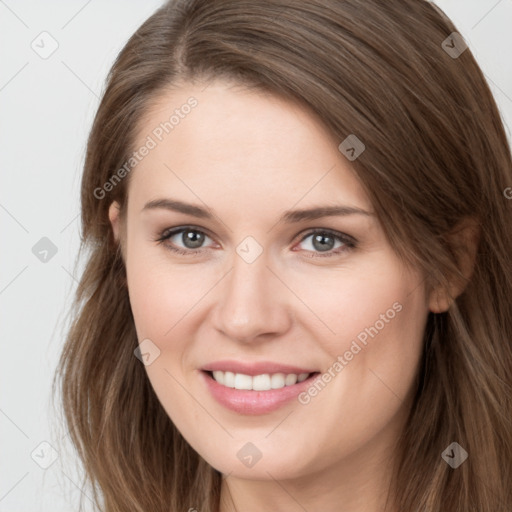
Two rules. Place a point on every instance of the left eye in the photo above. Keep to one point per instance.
(322, 241)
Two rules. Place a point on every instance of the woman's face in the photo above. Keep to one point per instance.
(256, 281)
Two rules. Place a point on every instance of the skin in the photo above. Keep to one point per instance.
(249, 156)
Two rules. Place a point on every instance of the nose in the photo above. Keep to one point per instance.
(252, 303)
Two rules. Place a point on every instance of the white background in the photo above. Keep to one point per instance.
(47, 107)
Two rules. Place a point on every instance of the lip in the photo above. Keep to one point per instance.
(250, 402)
(253, 369)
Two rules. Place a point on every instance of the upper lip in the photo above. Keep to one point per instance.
(252, 369)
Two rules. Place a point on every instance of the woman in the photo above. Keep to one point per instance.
(297, 291)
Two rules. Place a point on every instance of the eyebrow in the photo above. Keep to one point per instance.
(288, 217)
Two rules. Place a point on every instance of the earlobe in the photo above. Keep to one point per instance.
(113, 215)
(440, 301)
(464, 242)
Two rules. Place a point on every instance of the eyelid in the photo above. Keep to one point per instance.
(170, 232)
(349, 241)
(337, 234)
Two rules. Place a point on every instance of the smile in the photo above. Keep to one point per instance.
(257, 394)
(263, 382)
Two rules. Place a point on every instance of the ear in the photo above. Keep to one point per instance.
(113, 215)
(464, 241)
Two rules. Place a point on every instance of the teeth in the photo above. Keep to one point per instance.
(262, 382)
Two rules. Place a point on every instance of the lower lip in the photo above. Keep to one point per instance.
(246, 401)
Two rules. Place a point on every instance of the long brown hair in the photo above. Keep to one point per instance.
(436, 154)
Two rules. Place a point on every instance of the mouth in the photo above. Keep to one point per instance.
(262, 382)
(257, 394)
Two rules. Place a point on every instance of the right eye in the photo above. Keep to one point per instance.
(186, 235)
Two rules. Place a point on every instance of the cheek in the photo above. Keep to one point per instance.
(370, 324)
(162, 297)
(360, 304)
(379, 321)
(161, 293)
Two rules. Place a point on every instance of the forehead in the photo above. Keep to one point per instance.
(225, 143)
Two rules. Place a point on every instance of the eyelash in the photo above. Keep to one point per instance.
(348, 241)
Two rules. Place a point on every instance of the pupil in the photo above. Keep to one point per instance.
(193, 238)
(322, 246)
